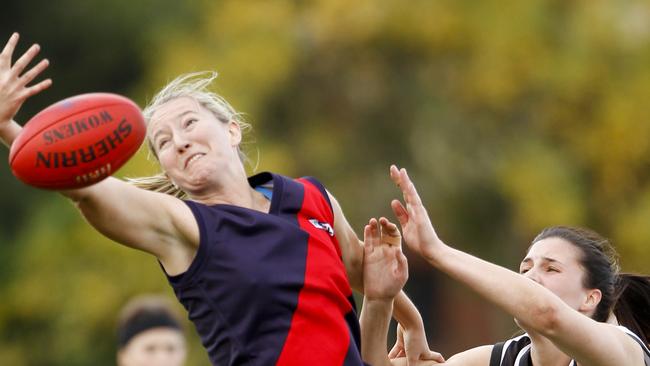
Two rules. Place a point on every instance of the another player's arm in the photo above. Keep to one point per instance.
(535, 307)
(385, 271)
(404, 311)
(374, 322)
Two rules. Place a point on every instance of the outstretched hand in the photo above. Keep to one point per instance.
(13, 82)
(418, 232)
(406, 343)
(385, 269)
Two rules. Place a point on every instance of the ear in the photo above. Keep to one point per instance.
(591, 301)
(235, 133)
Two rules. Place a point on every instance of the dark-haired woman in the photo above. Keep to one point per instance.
(569, 298)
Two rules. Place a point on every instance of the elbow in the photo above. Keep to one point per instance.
(544, 318)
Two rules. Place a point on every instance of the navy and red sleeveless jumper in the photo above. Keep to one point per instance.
(271, 288)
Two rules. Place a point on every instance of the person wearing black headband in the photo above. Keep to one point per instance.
(150, 333)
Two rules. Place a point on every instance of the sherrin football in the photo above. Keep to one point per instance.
(78, 141)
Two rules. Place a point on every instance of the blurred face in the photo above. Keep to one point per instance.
(192, 145)
(554, 263)
(154, 347)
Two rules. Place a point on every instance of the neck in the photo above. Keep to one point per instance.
(544, 353)
(232, 189)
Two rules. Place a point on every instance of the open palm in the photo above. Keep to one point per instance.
(13, 82)
(418, 232)
(385, 269)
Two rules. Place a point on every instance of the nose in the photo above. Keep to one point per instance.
(183, 148)
(181, 144)
(533, 275)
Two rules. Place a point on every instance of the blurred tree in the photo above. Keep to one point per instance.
(510, 116)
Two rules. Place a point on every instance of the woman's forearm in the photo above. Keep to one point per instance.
(534, 306)
(375, 320)
(9, 131)
(405, 312)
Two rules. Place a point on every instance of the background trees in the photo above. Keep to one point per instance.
(510, 116)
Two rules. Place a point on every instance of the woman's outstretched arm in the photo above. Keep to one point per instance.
(158, 224)
(535, 307)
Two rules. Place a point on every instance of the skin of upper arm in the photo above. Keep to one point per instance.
(351, 247)
(153, 222)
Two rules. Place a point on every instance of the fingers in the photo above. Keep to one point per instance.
(367, 246)
(388, 228)
(400, 212)
(390, 234)
(394, 175)
(371, 235)
(35, 89)
(411, 195)
(434, 356)
(396, 351)
(402, 264)
(25, 59)
(34, 72)
(401, 178)
(9, 48)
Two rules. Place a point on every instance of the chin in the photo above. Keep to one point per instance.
(200, 180)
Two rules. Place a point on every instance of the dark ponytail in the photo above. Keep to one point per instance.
(632, 304)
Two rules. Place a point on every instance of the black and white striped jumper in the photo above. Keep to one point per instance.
(516, 351)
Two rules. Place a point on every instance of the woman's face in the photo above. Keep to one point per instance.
(154, 347)
(554, 263)
(192, 145)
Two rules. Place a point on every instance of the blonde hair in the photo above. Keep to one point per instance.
(192, 85)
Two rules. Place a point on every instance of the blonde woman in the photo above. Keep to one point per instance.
(264, 265)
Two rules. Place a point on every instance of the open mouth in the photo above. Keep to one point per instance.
(192, 159)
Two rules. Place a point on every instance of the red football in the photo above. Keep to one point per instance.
(77, 141)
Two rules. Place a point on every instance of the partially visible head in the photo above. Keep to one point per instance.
(150, 334)
(578, 265)
(187, 91)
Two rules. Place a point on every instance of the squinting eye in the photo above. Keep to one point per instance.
(189, 122)
(552, 269)
(522, 271)
(162, 144)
